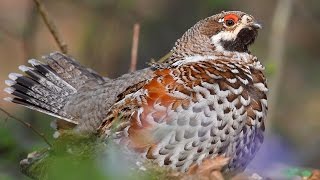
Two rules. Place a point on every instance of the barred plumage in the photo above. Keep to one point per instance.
(205, 104)
(196, 111)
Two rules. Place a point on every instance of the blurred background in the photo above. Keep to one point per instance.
(99, 35)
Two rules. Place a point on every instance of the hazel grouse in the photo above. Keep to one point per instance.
(206, 101)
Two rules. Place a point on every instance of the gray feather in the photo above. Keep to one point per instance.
(48, 87)
(64, 89)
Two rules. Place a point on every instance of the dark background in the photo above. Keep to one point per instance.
(99, 35)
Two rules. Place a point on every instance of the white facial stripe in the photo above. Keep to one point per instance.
(246, 19)
(229, 35)
(223, 35)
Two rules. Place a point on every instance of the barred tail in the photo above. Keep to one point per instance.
(48, 87)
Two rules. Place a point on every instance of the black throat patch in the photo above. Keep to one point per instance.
(244, 38)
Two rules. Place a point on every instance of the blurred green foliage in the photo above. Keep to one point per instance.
(85, 157)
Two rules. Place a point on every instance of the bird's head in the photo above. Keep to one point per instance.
(230, 31)
(236, 31)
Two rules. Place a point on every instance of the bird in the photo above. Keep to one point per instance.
(204, 104)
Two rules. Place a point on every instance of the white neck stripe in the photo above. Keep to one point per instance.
(196, 58)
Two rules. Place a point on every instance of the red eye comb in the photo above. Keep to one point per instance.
(233, 17)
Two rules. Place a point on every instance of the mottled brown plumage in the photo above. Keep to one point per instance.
(205, 102)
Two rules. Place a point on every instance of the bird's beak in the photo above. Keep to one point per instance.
(256, 25)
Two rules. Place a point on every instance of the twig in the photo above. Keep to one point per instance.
(27, 125)
(134, 49)
(280, 24)
(51, 26)
(155, 63)
(165, 57)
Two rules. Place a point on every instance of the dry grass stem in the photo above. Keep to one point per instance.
(134, 49)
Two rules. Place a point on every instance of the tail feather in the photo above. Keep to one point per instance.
(39, 88)
(32, 93)
(48, 87)
(71, 71)
(47, 77)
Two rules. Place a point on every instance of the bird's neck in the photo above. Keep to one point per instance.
(193, 50)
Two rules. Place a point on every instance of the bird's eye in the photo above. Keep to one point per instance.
(229, 22)
(231, 19)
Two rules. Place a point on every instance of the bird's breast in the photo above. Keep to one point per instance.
(198, 111)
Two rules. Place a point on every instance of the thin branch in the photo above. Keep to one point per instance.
(51, 26)
(28, 125)
(165, 57)
(159, 62)
(134, 49)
